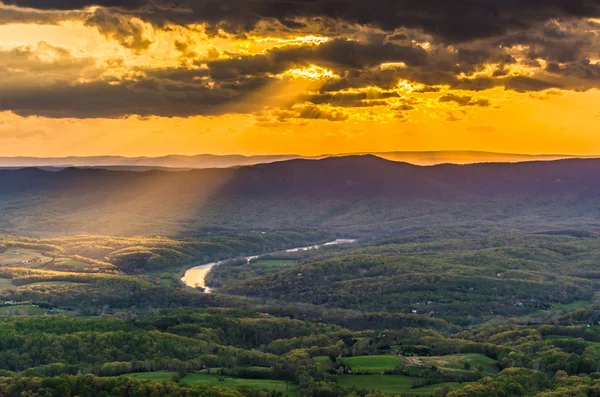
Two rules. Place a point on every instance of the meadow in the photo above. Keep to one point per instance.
(461, 362)
(192, 378)
(30, 310)
(391, 384)
(6, 283)
(372, 364)
(15, 256)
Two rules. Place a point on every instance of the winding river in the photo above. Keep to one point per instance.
(195, 277)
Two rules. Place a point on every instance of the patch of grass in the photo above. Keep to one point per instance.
(213, 380)
(14, 256)
(391, 384)
(69, 263)
(29, 310)
(6, 283)
(52, 283)
(158, 376)
(372, 364)
(556, 310)
(456, 362)
(571, 306)
(273, 263)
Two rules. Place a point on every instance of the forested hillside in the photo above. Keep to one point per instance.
(462, 280)
(465, 281)
(357, 195)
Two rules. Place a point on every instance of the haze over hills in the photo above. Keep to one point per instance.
(171, 161)
(468, 157)
(181, 162)
(350, 195)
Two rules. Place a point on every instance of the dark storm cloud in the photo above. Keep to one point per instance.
(578, 71)
(463, 100)
(372, 44)
(351, 99)
(166, 93)
(315, 112)
(11, 15)
(129, 32)
(76, 4)
(568, 41)
(525, 84)
(338, 54)
(450, 20)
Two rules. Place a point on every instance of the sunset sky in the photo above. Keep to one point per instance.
(156, 77)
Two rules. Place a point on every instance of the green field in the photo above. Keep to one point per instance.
(372, 364)
(29, 310)
(52, 283)
(556, 310)
(456, 362)
(6, 283)
(158, 376)
(213, 380)
(390, 384)
(322, 359)
(273, 263)
(69, 264)
(14, 256)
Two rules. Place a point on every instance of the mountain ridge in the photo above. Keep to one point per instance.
(360, 194)
(201, 161)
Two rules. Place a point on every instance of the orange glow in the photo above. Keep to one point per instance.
(406, 115)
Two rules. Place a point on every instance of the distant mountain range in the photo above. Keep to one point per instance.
(120, 162)
(351, 195)
(179, 162)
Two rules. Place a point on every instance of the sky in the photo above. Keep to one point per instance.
(157, 77)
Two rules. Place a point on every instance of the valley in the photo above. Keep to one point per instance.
(195, 277)
(411, 308)
(299, 198)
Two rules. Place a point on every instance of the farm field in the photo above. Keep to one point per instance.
(15, 256)
(322, 359)
(456, 362)
(6, 283)
(213, 380)
(31, 259)
(69, 264)
(273, 263)
(29, 310)
(556, 310)
(158, 376)
(391, 384)
(372, 364)
(52, 283)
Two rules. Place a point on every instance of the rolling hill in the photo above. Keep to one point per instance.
(200, 161)
(352, 195)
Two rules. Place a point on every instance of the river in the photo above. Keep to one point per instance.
(195, 277)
